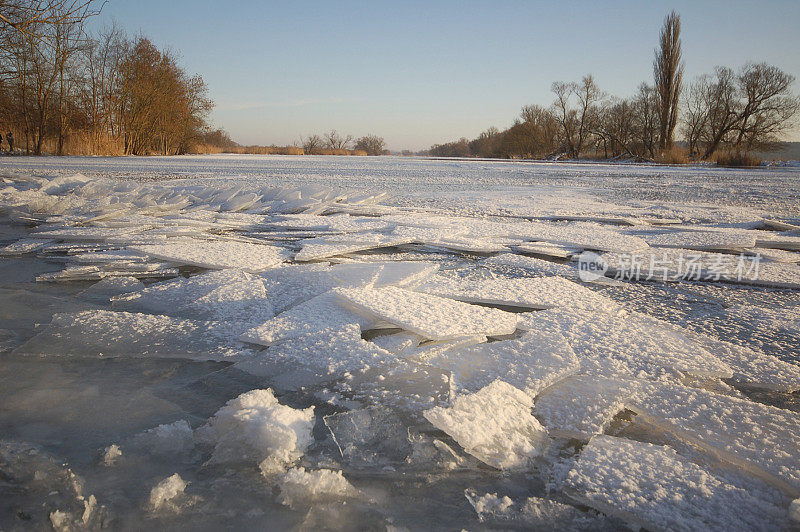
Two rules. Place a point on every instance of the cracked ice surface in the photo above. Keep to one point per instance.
(181, 384)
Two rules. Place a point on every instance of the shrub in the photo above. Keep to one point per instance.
(736, 159)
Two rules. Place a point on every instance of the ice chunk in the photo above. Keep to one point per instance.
(495, 425)
(784, 241)
(759, 438)
(217, 254)
(369, 437)
(621, 344)
(111, 454)
(106, 333)
(431, 349)
(489, 504)
(794, 511)
(164, 494)
(112, 286)
(171, 438)
(533, 362)
(535, 513)
(306, 488)
(581, 236)
(433, 317)
(254, 427)
(534, 293)
(324, 312)
(582, 406)
(651, 487)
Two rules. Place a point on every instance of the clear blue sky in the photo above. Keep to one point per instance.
(419, 73)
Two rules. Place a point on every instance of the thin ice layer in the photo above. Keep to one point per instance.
(534, 293)
(623, 345)
(652, 487)
(583, 405)
(530, 265)
(704, 240)
(762, 439)
(494, 424)
(324, 312)
(433, 317)
(533, 362)
(217, 254)
(322, 248)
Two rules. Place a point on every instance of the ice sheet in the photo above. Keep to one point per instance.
(253, 258)
(535, 293)
(433, 317)
(531, 363)
(759, 438)
(650, 486)
(620, 344)
(495, 425)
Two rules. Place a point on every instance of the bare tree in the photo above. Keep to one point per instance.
(668, 76)
(576, 123)
(335, 141)
(29, 17)
(372, 144)
(311, 144)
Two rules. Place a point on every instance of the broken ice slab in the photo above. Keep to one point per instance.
(370, 437)
(774, 255)
(673, 264)
(531, 363)
(704, 240)
(749, 366)
(253, 258)
(534, 513)
(582, 406)
(25, 245)
(330, 351)
(433, 317)
(111, 334)
(404, 386)
(321, 313)
(547, 249)
(530, 293)
(652, 487)
(430, 348)
(624, 345)
(762, 440)
(778, 225)
(494, 425)
(342, 223)
(398, 341)
(322, 248)
(89, 234)
(530, 266)
(171, 297)
(582, 236)
(95, 273)
(780, 241)
(109, 287)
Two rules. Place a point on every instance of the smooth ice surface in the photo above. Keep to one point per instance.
(256, 428)
(762, 439)
(536, 293)
(433, 317)
(650, 486)
(493, 424)
(621, 344)
(531, 363)
(218, 254)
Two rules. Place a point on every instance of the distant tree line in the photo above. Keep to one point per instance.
(333, 143)
(63, 89)
(736, 112)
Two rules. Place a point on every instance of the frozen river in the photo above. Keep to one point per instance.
(267, 342)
